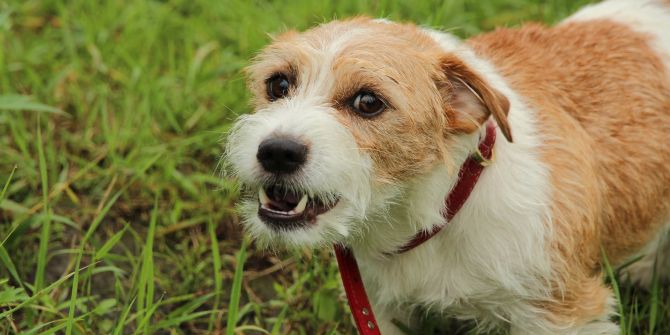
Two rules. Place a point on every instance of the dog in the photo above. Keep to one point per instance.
(361, 126)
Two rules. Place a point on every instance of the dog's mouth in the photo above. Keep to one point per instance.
(283, 208)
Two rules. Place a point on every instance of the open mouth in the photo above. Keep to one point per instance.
(281, 207)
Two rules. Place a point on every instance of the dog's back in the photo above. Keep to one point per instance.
(600, 82)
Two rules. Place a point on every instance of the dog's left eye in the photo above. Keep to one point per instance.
(277, 86)
(367, 104)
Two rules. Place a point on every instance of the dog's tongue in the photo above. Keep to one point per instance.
(282, 200)
(291, 198)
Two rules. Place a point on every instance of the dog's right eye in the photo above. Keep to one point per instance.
(368, 104)
(277, 86)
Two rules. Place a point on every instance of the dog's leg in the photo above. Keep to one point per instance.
(590, 308)
(596, 327)
(655, 252)
(585, 307)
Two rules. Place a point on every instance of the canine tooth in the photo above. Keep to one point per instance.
(301, 205)
(263, 197)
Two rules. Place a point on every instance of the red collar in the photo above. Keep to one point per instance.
(351, 277)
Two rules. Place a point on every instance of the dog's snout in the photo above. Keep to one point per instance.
(281, 155)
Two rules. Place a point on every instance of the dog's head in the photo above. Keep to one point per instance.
(346, 114)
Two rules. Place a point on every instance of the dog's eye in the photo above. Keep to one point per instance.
(277, 86)
(367, 104)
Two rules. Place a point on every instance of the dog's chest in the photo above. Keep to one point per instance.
(440, 284)
(429, 276)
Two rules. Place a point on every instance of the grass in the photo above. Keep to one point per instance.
(113, 219)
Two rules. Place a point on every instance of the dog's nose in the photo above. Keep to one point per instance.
(281, 155)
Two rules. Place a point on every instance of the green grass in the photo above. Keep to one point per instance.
(113, 218)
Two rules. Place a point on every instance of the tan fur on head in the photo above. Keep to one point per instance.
(409, 79)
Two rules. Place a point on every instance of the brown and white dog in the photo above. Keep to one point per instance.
(361, 126)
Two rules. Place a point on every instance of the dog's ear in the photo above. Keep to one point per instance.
(471, 99)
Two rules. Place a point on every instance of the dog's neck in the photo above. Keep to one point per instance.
(416, 206)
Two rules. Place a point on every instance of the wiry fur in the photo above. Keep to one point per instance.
(587, 170)
(652, 18)
(339, 164)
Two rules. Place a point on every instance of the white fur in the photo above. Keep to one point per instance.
(492, 260)
(336, 162)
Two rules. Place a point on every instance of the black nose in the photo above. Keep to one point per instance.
(281, 155)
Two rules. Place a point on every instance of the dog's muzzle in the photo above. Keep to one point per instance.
(282, 205)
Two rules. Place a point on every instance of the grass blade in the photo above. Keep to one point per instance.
(9, 180)
(174, 322)
(121, 322)
(144, 322)
(34, 330)
(280, 319)
(53, 330)
(654, 305)
(73, 294)
(101, 215)
(3, 193)
(46, 223)
(237, 289)
(104, 250)
(9, 265)
(145, 295)
(37, 295)
(615, 288)
(21, 102)
(257, 329)
(218, 278)
(75, 282)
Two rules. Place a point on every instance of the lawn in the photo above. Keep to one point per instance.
(114, 216)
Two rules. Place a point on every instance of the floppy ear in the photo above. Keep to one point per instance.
(471, 98)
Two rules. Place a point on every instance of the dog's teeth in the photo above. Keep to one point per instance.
(263, 197)
(301, 205)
